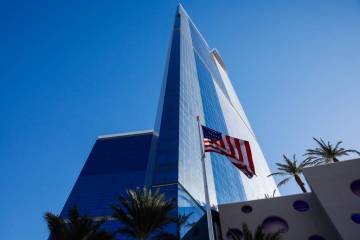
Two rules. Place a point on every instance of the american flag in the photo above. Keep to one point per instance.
(238, 151)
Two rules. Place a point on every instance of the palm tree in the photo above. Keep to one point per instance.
(327, 153)
(76, 227)
(292, 169)
(143, 213)
(246, 234)
(267, 195)
(180, 221)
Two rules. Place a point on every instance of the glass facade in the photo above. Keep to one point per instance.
(169, 158)
(196, 84)
(116, 163)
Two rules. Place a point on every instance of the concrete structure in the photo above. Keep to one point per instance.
(328, 212)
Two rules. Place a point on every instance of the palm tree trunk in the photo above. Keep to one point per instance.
(300, 183)
(335, 159)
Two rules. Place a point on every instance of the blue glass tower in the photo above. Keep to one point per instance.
(195, 83)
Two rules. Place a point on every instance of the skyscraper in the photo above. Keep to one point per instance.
(195, 84)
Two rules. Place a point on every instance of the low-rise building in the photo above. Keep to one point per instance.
(331, 211)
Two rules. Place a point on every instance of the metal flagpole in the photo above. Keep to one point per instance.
(208, 207)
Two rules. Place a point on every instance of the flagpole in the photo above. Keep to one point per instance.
(208, 207)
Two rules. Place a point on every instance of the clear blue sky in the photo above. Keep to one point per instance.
(71, 71)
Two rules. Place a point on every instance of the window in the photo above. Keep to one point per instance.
(301, 206)
(246, 209)
(275, 224)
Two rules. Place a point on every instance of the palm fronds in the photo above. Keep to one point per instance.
(291, 168)
(76, 227)
(259, 234)
(325, 152)
(284, 181)
(143, 212)
(270, 195)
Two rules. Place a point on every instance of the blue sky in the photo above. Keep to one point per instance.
(71, 71)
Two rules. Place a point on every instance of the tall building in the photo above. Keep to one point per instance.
(195, 83)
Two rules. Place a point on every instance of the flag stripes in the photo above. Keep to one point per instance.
(238, 151)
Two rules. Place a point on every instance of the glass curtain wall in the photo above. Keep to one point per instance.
(196, 84)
